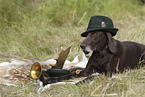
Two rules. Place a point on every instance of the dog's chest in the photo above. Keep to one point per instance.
(101, 58)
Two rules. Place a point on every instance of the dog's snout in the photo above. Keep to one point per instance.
(82, 46)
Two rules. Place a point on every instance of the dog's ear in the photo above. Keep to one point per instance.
(111, 43)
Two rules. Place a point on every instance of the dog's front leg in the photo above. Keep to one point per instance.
(143, 58)
(87, 71)
(108, 70)
(110, 66)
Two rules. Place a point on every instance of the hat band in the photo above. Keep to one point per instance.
(97, 27)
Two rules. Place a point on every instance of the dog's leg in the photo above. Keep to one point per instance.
(108, 70)
(112, 66)
(87, 71)
(143, 58)
(89, 68)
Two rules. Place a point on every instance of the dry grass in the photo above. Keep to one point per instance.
(129, 84)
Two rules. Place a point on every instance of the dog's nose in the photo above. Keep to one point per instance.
(82, 46)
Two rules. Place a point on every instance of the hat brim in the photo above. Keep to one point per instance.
(113, 31)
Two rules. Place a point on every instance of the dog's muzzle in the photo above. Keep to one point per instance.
(86, 49)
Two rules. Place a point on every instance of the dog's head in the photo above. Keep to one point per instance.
(98, 40)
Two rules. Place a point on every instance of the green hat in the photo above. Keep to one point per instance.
(100, 23)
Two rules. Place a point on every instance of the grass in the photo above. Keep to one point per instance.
(34, 29)
(127, 84)
(37, 29)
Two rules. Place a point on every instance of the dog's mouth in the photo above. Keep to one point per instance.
(86, 52)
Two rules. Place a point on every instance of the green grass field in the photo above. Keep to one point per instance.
(37, 29)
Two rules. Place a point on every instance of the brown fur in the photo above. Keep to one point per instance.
(109, 55)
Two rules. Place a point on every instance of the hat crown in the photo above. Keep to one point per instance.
(100, 22)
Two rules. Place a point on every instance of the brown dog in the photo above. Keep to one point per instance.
(109, 55)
